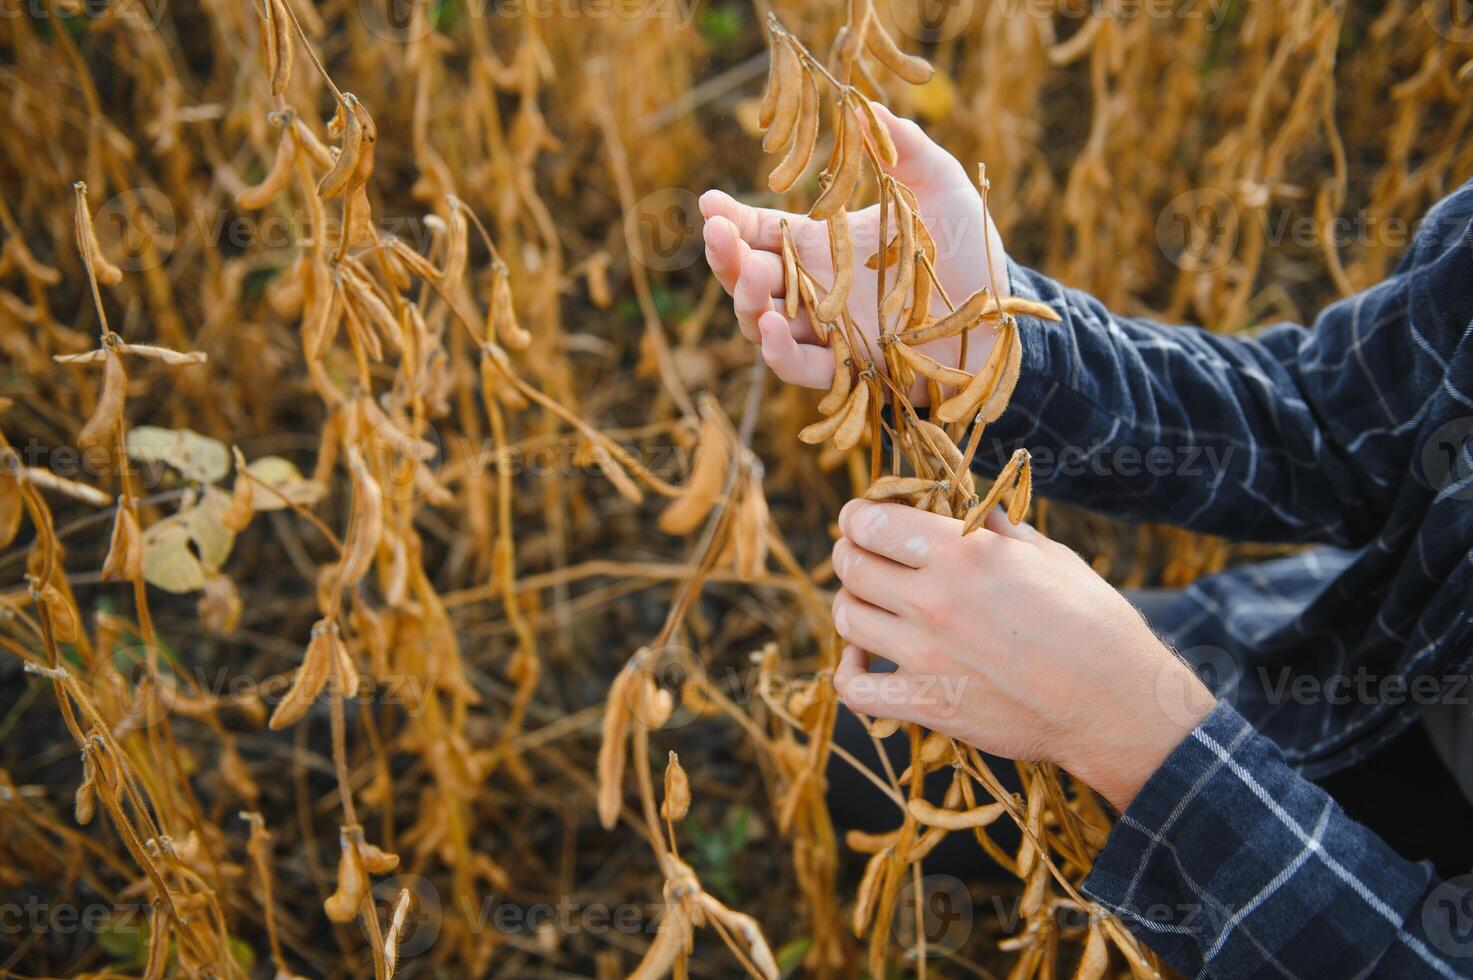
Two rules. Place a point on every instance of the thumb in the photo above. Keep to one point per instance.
(920, 162)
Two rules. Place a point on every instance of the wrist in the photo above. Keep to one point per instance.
(1117, 764)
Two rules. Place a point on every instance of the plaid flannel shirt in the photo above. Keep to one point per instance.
(1354, 434)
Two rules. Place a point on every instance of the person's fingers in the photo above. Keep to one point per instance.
(724, 251)
(871, 628)
(997, 522)
(761, 228)
(920, 161)
(887, 695)
(806, 365)
(898, 532)
(875, 579)
(753, 294)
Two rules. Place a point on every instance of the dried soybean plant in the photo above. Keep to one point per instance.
(929, 467)
(375, 371)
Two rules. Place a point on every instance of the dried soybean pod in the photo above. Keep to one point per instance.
(854, 419)
(927, 366)
(124, 561)
(768, 107)
(677, 791)
(841, 249)
(953, 324)
(614, 748)
(342, 905)
(91, 249)
(102, 425)
(808, 290)
(1018, 306)
(934, 816)
(843, 377)
(1096, 956)
(277, 178)
(884, 727)
(786, 173)
(1022, 491)
(785, 115)
(940, 443)
(891, 487)
(336, 180)
(85, 803)
(965, 404)
(503, 316)
(822, 430)
(317, 666)
(707, 479)
(913, 69)
(791, 287)
(920, 299)
(905, 260)
(846, 170)
(868, 843)
(879, 133)
(365, 522)
(751, 529)
(868, 891)
(281, 26)
(1007, 379)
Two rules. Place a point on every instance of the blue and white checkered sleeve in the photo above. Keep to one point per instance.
(1230, 863)
(1290, 434)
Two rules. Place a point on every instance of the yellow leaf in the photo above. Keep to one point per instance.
(195, 456)
(935, 99)
(284, 477)
(167, 561)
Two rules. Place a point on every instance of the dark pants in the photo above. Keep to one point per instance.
(1402, 792)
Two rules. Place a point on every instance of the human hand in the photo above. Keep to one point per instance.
(1009, 642)
(743, 248)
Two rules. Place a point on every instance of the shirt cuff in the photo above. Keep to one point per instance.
(1228, 858)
